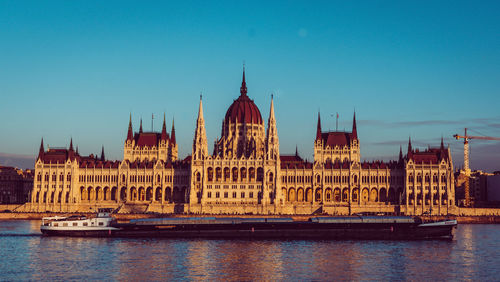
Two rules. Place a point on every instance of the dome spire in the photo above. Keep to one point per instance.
(243, 89)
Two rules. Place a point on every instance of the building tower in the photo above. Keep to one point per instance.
(272, 178)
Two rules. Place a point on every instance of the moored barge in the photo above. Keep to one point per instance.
(329, 228)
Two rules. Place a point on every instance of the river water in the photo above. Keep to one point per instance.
(474, 254)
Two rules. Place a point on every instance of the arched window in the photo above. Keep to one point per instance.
(235, 174)
(260, 174)
(210, 174)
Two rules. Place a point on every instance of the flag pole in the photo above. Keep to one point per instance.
(337, 123)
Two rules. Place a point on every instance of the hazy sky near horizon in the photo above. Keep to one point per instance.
(424, 69)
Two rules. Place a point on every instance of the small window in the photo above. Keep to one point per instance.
(55, 224)
(225, 195)
(65, 224)
(101, 223)
(85, 224)
(250, 195)
(75, 223)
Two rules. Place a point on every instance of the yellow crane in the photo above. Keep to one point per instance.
(466, 160)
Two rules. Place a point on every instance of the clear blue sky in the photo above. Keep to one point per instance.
(423, 69)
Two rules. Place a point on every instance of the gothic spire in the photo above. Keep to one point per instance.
(140, 128)
(409, 145)
(200, 109)
(130, 134)
(164, 129)
(318, 129)
(200, 150)
(272, 141)
(243, 89)
(102, 154)
(354, 129)
(41, 151)
(71, 144)
(172, 136)
(442, 144)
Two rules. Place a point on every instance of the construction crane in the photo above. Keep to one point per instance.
(466, 160)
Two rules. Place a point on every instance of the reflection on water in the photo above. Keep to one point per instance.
(473, 255)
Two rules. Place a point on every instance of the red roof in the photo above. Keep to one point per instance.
(294, 162)
(57, 155)
(333, 139)
(290, 159)
(430, 156)
(149, 139)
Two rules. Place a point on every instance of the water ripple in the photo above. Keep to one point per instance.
(26, 255)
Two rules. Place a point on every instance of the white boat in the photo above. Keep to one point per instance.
(79, 225)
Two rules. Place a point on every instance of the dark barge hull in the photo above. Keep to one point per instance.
(329, 228)
(299, 230)
(335, 228)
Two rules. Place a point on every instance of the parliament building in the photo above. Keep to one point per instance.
(244, 174)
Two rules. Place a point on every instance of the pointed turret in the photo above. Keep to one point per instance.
(102, 154)
(318, 128)
(77, 150)
(243, 89)
(164, 130)
(296, 150)
(200, 150)
(130, 133)
(354, 129)
(410, 150)
(172, 135)
(71, 152)
(41, 152)
(272, 140)
(442, 144)
(140, 128)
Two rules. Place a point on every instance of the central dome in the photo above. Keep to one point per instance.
(243, 109)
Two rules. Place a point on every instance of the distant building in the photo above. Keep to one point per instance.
(493, 188)
(245, 173)
(479, 183)
(15, 185)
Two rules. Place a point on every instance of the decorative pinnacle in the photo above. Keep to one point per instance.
(243, 89)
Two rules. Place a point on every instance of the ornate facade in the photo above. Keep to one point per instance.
(245, 173)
